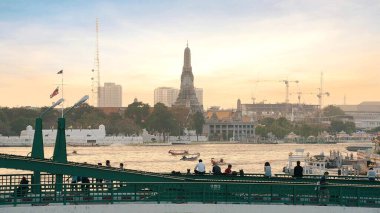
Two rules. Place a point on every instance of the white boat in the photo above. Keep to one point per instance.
(311, 166)
(179, 140)
(74, 137)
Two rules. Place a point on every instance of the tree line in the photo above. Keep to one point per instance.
(131, 121)
(281, 127)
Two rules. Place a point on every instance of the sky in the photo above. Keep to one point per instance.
(240, 49)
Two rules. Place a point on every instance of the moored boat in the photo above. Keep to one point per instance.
(178, 152)
(356, 148)
(191, 157)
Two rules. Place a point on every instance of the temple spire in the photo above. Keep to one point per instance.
(187, 97)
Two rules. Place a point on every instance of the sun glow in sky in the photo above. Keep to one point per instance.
(233, 44)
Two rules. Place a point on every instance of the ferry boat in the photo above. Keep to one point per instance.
(89, 137)
(179, 140)
(318, 164)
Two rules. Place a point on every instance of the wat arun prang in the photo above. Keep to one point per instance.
(186, 97)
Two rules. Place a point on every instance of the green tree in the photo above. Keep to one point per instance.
(138, 112)
(375, 130)
(198, 120)
(349, 127)
(332, 111)
(161, 120)
(337, 126)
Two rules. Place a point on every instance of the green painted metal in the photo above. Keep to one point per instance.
(37, 151)
(287, 179)
(195, 192)
(38, 146)
(60, 153)
(81, 169)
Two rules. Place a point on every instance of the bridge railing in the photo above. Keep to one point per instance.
(191, 192)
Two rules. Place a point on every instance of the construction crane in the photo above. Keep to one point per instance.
(321, 93)
(287, 88)
(320, 96)
(301, 93)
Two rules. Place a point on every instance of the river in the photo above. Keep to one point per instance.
(249, 157)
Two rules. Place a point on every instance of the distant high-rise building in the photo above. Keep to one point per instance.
(169, 95)
(187, 97)
(110, 95)
(165, 95)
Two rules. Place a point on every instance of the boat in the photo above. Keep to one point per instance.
(356, 148)
(190, 157)
(311, 166)
(74, 137)
(178, 152)
(181, 141)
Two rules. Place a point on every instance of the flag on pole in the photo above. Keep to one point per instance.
(60, 72)
(55, 92)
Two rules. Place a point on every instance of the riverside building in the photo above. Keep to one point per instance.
(228, 125)
(366, 115)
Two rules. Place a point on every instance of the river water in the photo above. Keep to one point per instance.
(249, 157)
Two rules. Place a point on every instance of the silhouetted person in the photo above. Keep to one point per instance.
(108, 182)
(216, 169)
(74, 180)
(339, 172)
(323, 190)
(267, 170)
(85, 184)
(298, 170)
(23, 188)
(99, 181)
(121, 166)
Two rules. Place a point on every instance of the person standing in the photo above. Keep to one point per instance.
(323, 190)
(200, 168)
(23, 187)
(108, 182)
(99, 181)
(74, 180)
(371, 174)
(121, 166)
(298, 170)
(267, 170)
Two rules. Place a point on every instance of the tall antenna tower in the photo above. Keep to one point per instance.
(321, 92)
(96, 71)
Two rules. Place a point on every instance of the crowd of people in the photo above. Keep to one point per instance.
(199, 169)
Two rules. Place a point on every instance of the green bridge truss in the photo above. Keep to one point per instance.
(50, 183)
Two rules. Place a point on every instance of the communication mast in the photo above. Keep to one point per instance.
(96, 71)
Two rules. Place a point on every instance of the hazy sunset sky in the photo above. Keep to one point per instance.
(233, 44)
